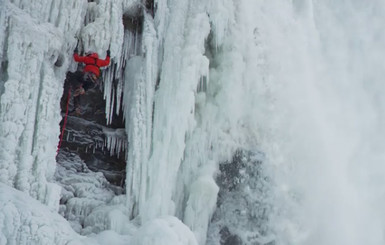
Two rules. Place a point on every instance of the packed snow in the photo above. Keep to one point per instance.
(296, 86)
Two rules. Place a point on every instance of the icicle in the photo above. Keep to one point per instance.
(107, 96)
(115, 141)
(112, 107)
(113, 95)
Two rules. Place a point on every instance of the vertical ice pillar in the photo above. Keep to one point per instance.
(34, 49)
(158, 172)
(180, 46)
(139, 88)
(20, 112)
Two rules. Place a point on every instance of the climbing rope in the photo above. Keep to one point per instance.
(65, 120)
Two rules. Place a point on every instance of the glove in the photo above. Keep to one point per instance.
(79, 91)
(108, 52)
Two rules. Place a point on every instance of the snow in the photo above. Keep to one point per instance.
(164, 230)
(26, 221)
(200, 206)
(83, 191)
(109, 218)
(301, 81)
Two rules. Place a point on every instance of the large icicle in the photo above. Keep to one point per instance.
(182, 48)
(138, 98)
(116, 141)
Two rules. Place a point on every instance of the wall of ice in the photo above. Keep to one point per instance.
(37, 42)
(36, 52)
(164, 140)
(204, 79)
(35, 45)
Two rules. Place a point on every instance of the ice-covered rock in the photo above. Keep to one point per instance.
(24, 220)
(164, 231)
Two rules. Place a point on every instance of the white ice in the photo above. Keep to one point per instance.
(23, 220)
(300, 80)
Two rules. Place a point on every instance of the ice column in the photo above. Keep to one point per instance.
(180, 46)
(140, 74)
(33, 67)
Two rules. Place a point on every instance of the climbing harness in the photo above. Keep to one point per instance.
(90, 76)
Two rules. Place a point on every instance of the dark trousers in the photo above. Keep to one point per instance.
(73, 81)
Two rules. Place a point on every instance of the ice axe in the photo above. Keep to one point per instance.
(108, 50)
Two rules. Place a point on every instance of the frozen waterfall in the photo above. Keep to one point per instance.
(245, 122)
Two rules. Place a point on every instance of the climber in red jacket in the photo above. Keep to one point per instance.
(91, 71)
(82, 80)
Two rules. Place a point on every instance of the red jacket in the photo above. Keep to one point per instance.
(93, 63)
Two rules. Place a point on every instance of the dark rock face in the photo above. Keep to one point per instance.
(85, 133)
(229, 239)
(243, 205)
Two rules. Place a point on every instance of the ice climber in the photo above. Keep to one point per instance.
(82, 80)
(89, 78)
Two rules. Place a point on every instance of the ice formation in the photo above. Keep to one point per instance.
(116, 141)
(24, 220)
(35, 46)
(197, 80)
